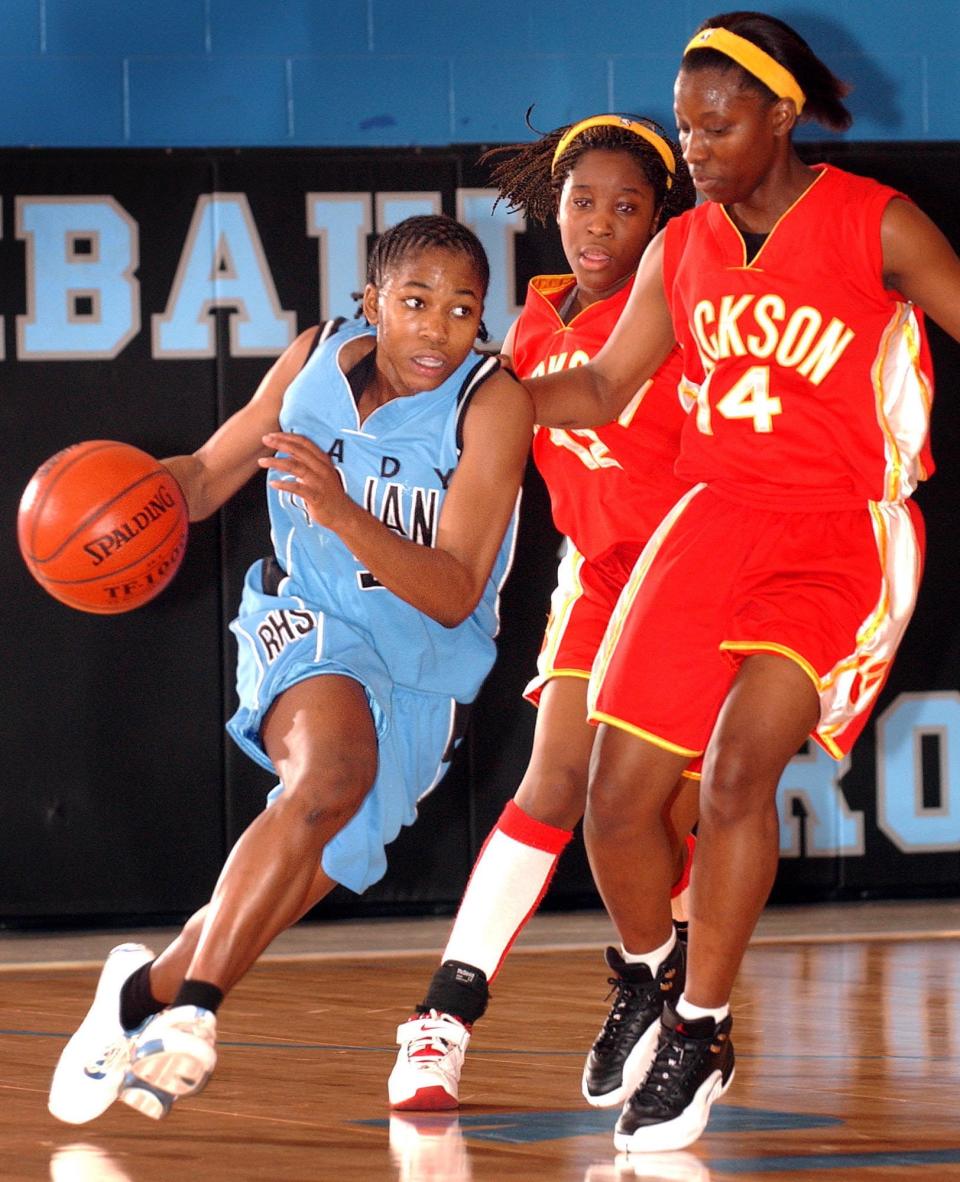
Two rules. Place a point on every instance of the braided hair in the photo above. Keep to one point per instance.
(422, 232)
(531, 182)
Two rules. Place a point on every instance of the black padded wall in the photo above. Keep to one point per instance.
(123, 794)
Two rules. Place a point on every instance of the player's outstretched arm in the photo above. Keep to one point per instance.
(444, 581)
(920, 263)
(595, 393)
(222, 465)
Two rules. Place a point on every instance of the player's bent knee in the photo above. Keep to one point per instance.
(557, 797)
(614, 804)
(324, 801)
(735, 788)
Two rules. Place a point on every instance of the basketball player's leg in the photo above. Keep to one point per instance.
(681, 813)
(508, 880)
(769, 712)
(324, 722)
(681, 816)
(516, 864)
(515, 867)
(632, 856)
(628, 842)
(154, 986)
(321, 739)
(140, 999)
(92, 1070)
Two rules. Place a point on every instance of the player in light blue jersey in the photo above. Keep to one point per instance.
(394, 455)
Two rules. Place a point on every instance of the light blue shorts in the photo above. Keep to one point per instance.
(281, 642)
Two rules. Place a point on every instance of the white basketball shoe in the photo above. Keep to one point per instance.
(426, 1075)
(92, 1065)
(175, 1052)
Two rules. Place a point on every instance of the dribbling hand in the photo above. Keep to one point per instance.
(308, 473)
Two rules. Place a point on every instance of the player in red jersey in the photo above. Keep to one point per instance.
(611, 181)
(769, 605)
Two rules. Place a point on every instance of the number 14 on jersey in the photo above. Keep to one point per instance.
(748, 398)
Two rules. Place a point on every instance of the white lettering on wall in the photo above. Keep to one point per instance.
(83, 297)
(222, 265)
(912, 825)
(815, 819)
(341, 224)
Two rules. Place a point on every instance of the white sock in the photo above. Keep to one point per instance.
(508, 880)
(653, 960)
(686, 1009)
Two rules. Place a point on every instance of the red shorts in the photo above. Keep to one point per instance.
(588, 588)
(580, 609)
(832, 590)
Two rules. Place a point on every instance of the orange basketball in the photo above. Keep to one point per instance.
(102, 526)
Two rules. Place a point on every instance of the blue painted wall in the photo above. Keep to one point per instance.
(375, 73)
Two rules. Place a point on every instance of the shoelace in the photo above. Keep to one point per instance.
(630, 994)
(430, 1044)
(676, 1060)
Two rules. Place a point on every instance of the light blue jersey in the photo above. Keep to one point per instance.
(398, 465)
(312, 609)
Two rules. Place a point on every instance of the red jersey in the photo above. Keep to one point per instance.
(599, 479)
(811, 378)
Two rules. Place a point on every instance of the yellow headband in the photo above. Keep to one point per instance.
(658, 142)
(754, 60)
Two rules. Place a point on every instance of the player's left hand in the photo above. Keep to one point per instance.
(309, 474)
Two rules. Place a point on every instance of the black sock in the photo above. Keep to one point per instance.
(198, 993)
(458, 989)
(137, 1003)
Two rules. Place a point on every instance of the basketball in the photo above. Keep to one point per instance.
(102, 526)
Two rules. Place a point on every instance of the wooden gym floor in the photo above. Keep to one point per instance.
(846, 1027)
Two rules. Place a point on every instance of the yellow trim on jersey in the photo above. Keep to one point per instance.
(548, 285)
(631, 587)
(825, 738)
(753, 59)
(688, 392)
(627, 124)
(565, 596)
(656, 740)
(881, 612)
(582, 673)
(752, 264)
(822, 735)
(687, 774)
(899, 336)
(894, 474)
(534, 688)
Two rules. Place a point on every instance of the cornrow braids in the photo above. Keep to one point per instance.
(529, 181)
(422, 232)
